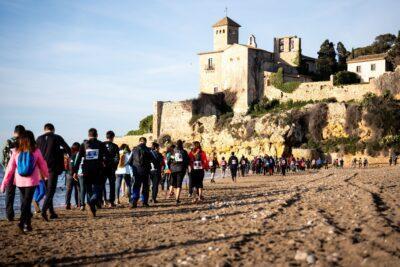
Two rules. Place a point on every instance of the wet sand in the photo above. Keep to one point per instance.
(333, 217)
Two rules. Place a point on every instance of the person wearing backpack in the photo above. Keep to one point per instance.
(53, 148)
(111, 167)
(92, 155)
(155, 172)
(139, 161)
(198, 164)
(8, 150)
(233, 163)
(123, 171)
(25, 169)
(179, 166)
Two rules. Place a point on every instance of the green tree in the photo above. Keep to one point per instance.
(342, 56)
(326, 62)
(145, 126)
(394, 52)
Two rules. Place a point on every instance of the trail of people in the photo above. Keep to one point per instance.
(343, 217)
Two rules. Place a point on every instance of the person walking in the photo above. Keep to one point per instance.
(8, 150)
(92, 156)
(25, 168)
(213, 164)
(179, 165)
(155, 172)
(72, 184)
(52, 147)
(112, 161)
(233, 165)
(123, 172)
(139, 161)
(223, 167)
(198, 165)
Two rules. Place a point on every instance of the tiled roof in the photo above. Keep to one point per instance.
(367, 58)
(226, 21)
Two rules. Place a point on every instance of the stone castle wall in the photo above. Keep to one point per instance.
(322, 90)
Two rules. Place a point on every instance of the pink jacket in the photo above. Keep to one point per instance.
(21, 181)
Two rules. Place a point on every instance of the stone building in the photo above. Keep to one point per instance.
(245, 68)
(368, 67)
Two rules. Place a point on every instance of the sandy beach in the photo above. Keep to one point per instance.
(333, 217)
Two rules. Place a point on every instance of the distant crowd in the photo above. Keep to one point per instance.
(98, 173)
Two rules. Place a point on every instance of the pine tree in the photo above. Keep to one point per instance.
(394, 52)
(326, 62)
(342, 56)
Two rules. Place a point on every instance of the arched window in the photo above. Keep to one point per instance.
(223, 31)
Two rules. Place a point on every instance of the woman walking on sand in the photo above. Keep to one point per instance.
(213, 164)
(123, 171)
(25, 169)
(198, 164)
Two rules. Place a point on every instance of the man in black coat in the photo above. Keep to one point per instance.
(53, 148)
(110, 168)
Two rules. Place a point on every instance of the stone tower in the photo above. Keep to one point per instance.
(226, 32)
(287, 50)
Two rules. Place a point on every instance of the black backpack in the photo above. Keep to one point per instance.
(138, 156)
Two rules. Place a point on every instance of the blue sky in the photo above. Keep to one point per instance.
(82, 64)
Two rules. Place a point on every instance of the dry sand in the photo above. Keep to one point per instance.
(333, 217)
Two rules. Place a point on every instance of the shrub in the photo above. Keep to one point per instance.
(289, 87)
(277, 81)
(345, 77)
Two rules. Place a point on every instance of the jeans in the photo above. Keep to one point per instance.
(155, 181)
(234, 173)
(40, 191)
(82, 188)
(110, 175)
(127, 179)
(93, 188)
(72, 184)
(26, 202)
(51, 186)
(10, 196)
(140, 181)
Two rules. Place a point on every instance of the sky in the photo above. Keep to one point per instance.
(102, 64)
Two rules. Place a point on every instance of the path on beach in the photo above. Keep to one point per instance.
(345, 217)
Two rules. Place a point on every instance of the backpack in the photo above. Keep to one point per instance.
(138, 156)
(26, 164)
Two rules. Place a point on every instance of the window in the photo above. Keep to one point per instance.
(358, 69)
(215, 90)
(210, 65)
(291, 47)
(216, 32)
(373, 67)
(223, 31)
(281, 45)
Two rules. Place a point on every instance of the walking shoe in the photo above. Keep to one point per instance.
(53, 216)
(146, 205)
(44, 216)
(177, 202)
(82, 208)
(28, 228)
(10, 219)
(68, 207)
(21, 229)
(133, 205)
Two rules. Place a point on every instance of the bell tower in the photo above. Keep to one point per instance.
(226, 32)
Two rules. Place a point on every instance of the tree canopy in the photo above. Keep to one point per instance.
(326, 62)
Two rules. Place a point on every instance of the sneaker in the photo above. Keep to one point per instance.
(28, 228)
(68, 207)
(21, 229)
(82, 208)
(146, 205)
(178, 202)
(133, 205)
(53, 216)
(155, 201)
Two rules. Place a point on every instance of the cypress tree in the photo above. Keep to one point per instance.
(326, 62)
(342, 56)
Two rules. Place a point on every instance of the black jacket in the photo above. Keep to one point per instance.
(93, 155)
(140, 160)
(158, 160)
(113, 155)
(53, 148)
(233, 162)
(179, 166)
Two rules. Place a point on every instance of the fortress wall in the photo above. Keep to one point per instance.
(173, 119)
(322, 90)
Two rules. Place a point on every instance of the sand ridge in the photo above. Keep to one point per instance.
(332, 217)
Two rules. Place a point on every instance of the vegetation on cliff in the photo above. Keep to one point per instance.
(145, 126)
(345, 77)
(277, 81)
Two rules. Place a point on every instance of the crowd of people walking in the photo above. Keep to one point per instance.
(98, 174)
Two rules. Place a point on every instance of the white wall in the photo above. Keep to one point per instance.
(366, 72)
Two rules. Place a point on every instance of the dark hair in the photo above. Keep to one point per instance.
(93, 132)
(196, 144)
(26, 142)
(110, 135)
(125, 147)
(19, 129)
(179, 144)
(142, 139)
(232, 153)
(155, 145)
(75, 147)
(49, 127)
